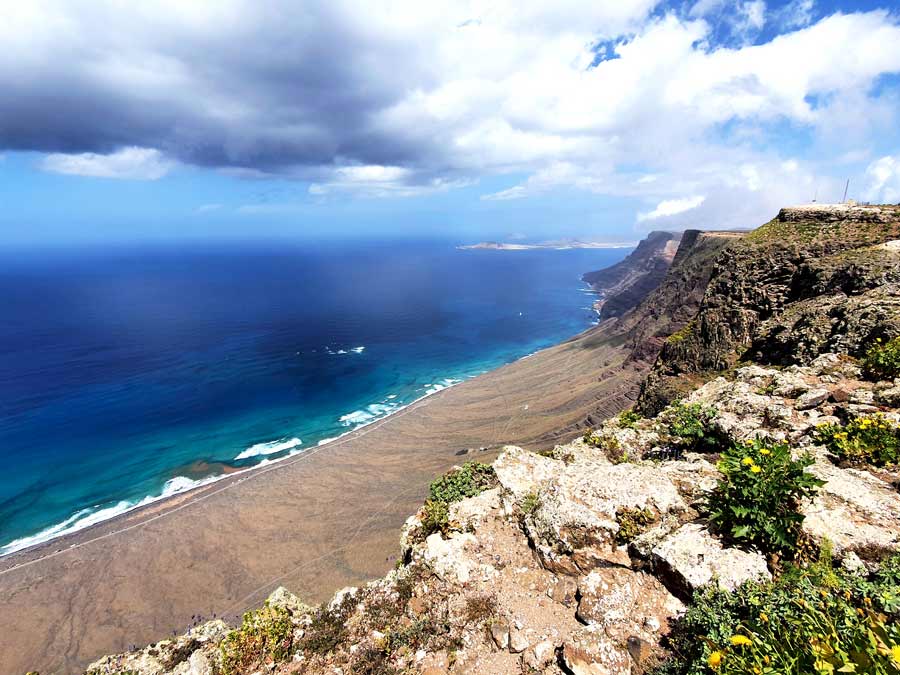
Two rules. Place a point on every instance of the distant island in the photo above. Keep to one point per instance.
(559, 244)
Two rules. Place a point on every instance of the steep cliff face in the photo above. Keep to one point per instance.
(623, 285)
(814, 279)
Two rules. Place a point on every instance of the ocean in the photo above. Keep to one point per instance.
(129, 374)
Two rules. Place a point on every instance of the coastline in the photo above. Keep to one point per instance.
(325, 519)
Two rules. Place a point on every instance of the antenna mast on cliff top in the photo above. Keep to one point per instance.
(846, 187)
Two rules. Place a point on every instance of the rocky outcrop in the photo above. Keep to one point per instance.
(623, 285)
(813, 280)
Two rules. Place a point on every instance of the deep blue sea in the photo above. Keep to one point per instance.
(127, 374)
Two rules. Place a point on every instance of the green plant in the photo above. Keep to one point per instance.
(813, 621)
(756, 501)
(471, 479)
(436, 517)
(882, 360)
(692, 424)
(608, 443)
(632, 522)
(628, 419)
(530, 503)
(872, 439)
(327, 628)
(265, 636)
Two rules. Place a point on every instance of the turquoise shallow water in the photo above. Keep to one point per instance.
(129, 374)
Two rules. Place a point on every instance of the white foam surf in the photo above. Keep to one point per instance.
(269, 448)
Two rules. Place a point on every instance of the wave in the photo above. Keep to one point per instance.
(368, 414)
(355, 350)
(178, 484)
(441, 385)
(91, 516)
(269, 448)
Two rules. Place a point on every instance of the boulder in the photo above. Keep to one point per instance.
(854, 510)
(812, 399)
(692, 557)
(588, 651)
(539, 656)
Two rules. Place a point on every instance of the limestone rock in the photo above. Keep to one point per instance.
(854, 510)
(812, 399)
(539, 656)
(692, 557)
(282, 597)
(589, 651)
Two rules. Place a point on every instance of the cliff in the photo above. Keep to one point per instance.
(623, 285)
(812, 280)
(753, 526)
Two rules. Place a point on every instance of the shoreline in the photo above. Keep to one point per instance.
(117, 511)
(237, 474)
(324, 519)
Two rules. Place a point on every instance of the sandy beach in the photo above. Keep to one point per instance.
(321, 520)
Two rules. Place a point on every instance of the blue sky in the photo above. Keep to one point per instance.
(469, 120)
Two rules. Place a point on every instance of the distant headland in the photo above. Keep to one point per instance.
(558, 244)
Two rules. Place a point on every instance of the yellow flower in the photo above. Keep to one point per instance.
(764, 617)
(715, 660)
(740, 640)
(748, 461)
(755, 469)
(895, 654)
(765, 451)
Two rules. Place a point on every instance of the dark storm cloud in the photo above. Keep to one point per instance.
(261, 89)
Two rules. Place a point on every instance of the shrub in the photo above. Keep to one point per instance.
(265, 636)
(873, 439)
(628, 418)
(632, 522)
(530, 503)
(607, 442)
(327, 629)
(479, 608)
(882, 361)
(809, 621)
(756, 501)
(692, 424)
(471, 479)
(436, 517)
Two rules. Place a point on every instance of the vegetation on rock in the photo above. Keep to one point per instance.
(471, 479)
(264, 637)
(819, 620)
(757, 500)
(632, 523)
(692, 424)
(871, 439)
(882, 361)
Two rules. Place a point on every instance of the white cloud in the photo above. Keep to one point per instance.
(672, 207)
(438, 94)
(128, 163)
(883, 181)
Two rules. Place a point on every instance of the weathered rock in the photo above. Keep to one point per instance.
(889, 396)
(539, 656)
(564, 591)
(500, 633)
(854, 510)
(282, 597)
(518, 640)
(449, 558)
(623, 601)
(789, 384)
(590, 652)
(812, 399)
(691, 557)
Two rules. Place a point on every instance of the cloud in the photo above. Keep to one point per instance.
(404, 99)
(128, 163)
(883, 181)
(671, 207)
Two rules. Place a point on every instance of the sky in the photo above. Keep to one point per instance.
(515, 120)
